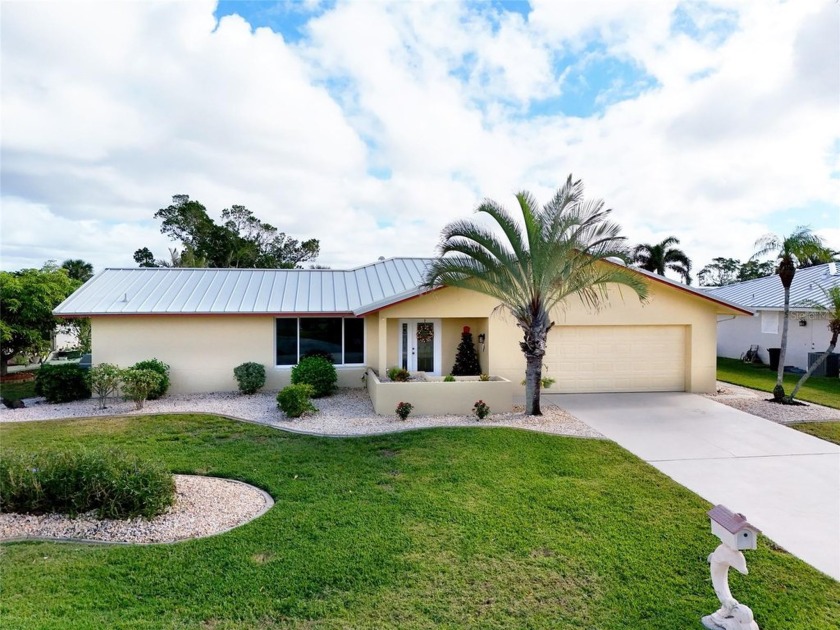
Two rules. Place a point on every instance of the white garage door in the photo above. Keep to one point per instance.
(616, 359)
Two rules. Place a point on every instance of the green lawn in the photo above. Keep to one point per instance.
(817, 389)
(829, 431)
(15, 390)
(452, 528)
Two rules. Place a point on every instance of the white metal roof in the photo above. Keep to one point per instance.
(178, 291)
(155, 290)
(768, 294)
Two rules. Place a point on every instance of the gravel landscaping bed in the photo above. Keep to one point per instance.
(349, 412)
(756, 402)
(204, 506)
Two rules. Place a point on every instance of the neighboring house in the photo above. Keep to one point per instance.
(808, 328)
(204, 322)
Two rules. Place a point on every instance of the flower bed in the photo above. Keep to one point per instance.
(431, 395)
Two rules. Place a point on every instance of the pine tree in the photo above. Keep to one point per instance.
(466, 360)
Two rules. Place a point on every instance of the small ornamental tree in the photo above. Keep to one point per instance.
(466, 359)
(104, 379)
(139, 383)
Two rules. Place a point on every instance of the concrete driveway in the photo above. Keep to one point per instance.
(787, 483)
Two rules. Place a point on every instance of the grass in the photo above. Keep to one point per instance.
(829, 431)
(452, 528)
(15, 390)
(817, 389)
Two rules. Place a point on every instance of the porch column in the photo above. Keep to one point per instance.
(383, 347)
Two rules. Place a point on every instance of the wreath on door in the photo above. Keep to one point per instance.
(425, 332)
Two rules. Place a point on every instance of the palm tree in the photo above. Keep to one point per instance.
(833, 313)
(559, 253)
(78, 269)
(788, 250)
(661, 256)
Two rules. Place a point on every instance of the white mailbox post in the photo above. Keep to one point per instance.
(735, 533)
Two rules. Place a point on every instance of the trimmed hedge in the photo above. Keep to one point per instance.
(161, 368)
(318, 372)
(250, 377)
(62, 383)
(71, 481)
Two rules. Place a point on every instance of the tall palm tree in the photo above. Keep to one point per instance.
(833, 312)
(78, 269)
(661, 256)
(533, 268)
(788, 250)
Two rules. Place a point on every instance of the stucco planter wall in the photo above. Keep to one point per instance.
(434, 396)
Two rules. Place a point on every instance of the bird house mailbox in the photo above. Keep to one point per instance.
(733, 529)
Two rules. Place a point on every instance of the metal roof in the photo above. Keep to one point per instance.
(167, 290)
(164, 290)
(768, 294)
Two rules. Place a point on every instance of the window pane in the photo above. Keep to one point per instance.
(354, 340)
(321, 334)
(287, 341)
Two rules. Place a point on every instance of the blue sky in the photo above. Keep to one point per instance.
(370, 125)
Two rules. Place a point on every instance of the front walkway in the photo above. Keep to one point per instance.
(785, 482)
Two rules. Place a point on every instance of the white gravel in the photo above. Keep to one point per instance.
(204, 506)
(349, 412)
(756, 402)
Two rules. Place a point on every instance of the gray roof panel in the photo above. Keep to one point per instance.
(767, 293)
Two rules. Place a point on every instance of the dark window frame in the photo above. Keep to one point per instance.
(344, 340)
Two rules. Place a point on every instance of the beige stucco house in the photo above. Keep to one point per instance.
(204, 322)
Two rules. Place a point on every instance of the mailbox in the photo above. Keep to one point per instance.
(733, 529)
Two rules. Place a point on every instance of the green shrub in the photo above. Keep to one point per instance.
(104, 379)
(114, 483)
(250, 377)
(403, 409)
(62, 383)
(138, 384)
(448, 379)
(294, 400)
(317, 372)
(398, 374)
(483, 377)
(161, 368)
(318, 353)
(481, 409)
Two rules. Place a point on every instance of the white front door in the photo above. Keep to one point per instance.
(420, 345)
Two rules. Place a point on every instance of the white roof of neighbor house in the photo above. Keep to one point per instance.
(179, 291)
(158, 291)
(768, 294)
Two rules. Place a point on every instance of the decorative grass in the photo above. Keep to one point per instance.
(452, 528)
(829, 431)
(817, 389)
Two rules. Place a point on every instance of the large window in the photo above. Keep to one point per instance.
(343, 338)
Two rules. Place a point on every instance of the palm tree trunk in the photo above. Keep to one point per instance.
(533, 381)
(816, 364)
(779, 389)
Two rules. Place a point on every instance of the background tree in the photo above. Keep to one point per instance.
(242, 240)
(466, 358)
(559, 252)
(753, 269)
(661, 256)
(788, 251)
(719, 272)
(819, 256)
(27, 299)
(78, 269)
(832, 311)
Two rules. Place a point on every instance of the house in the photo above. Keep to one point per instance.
(204, 322)
(808, 327)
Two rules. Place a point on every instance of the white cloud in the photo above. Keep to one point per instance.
(109, 109)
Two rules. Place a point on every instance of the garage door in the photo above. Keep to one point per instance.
(616, 359)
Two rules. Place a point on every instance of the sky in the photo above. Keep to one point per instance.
(370, 125)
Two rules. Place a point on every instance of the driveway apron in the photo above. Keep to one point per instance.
(787, 483)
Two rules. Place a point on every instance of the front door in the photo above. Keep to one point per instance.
(420, 345)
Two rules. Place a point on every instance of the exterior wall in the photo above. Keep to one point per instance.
(439, 397)
(503, 357)
(735, 336)
(202, 351)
